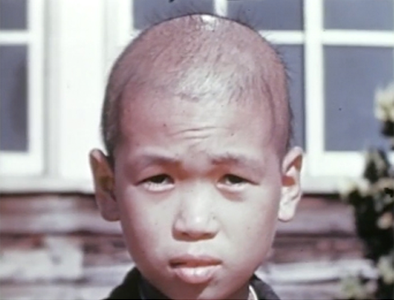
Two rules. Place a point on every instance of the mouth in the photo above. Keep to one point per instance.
(195, 269)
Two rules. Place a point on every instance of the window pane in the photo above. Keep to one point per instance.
(148, 12)
(359, 14)
(293, 57)
(13, 14)
(352, 76)
(13, 98)
(268, 14)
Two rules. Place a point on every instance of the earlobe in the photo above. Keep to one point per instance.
(291, 184)
(104, 185)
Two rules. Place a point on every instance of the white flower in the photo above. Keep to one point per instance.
(384, 103)
(385, 266)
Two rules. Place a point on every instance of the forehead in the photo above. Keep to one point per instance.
(161, 117)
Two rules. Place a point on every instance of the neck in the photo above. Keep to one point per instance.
(242, 293)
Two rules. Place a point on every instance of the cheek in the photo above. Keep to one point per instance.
(143, 220)
(260, 218)
(257, 222)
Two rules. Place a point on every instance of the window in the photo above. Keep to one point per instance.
(53, 73)
(348, 57)
(51, 85)
(21, 93)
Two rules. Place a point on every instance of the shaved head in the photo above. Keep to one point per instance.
(199, 58)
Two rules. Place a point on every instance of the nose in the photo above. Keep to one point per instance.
(195, 218)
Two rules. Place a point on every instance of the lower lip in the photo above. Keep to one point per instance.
(196, 275)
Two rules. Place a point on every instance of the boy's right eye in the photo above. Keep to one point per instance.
(158, 183)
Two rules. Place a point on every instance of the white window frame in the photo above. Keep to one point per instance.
(74, 103)
(30, 162)
(71, 97)
(331, 164)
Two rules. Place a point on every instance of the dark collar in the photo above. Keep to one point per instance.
(134, 284)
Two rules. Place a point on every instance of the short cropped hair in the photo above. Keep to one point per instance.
(123, 72)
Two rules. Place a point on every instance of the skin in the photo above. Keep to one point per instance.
(195, 173)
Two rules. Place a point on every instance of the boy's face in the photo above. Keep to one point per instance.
(198, 187)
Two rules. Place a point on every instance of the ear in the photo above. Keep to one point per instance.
(104, 185)
(291, 185)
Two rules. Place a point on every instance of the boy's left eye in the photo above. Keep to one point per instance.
(233, 180)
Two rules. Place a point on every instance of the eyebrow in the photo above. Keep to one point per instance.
(239, 160)
(236, 159)
(156, 159)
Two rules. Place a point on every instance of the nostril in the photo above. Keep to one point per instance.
(195, 231)
(195, 220)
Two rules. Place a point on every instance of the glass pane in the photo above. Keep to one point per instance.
(352, 76)
(13, 14)
(359, 14)
(148, 12)
(268, 14)
(13, 98)
(293, 57)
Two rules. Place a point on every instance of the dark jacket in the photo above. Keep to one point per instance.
(131, 286)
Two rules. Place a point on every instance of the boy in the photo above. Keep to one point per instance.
(196, 123)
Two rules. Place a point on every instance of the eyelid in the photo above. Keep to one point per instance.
(235, 176)
(157, 187)
(233, 186)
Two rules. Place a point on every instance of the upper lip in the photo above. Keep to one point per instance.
(190, 260)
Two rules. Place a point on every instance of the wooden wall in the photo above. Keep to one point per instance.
(58, 247)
